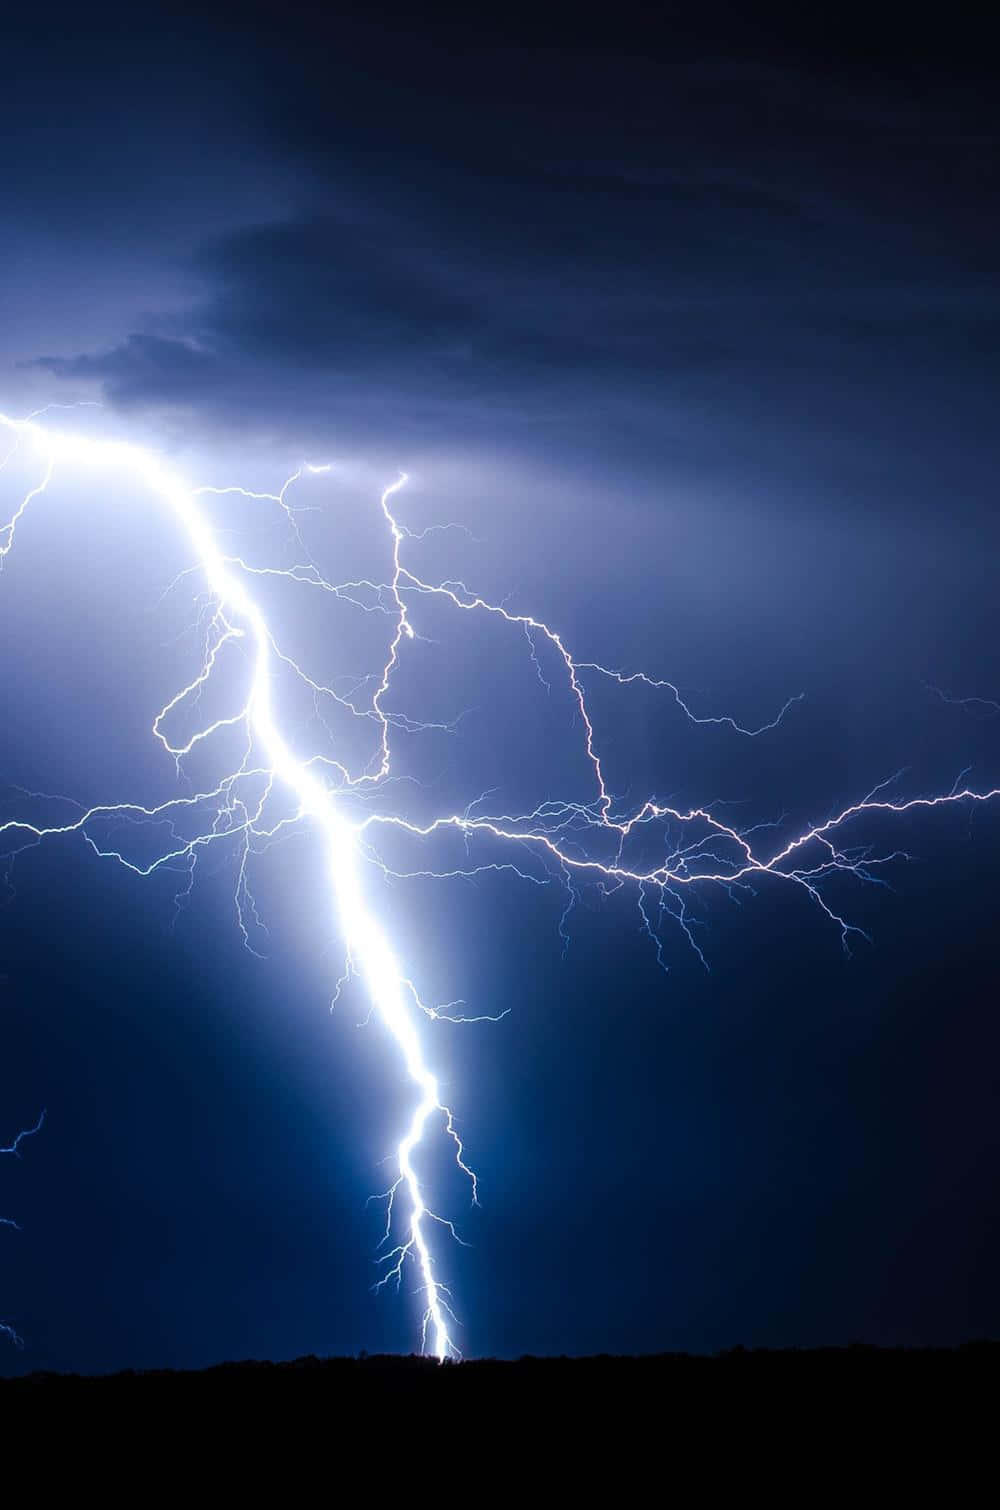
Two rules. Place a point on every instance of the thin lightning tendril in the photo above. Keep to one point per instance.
(979, 707)
(567, 843)
(13, 1150)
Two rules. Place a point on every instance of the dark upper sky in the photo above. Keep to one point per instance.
(692, 321)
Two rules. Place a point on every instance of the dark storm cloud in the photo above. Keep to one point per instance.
(143, 367)
(669, 290)
(482, 221)
(390, 297)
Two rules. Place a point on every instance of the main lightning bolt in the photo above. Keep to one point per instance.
(238, 617)
(594, 841)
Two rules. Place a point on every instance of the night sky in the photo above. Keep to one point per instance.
(690, 317)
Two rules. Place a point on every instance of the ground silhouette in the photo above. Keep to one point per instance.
(619, 1383)
(790, 1425)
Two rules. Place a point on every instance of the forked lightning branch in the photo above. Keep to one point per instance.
(274, 788)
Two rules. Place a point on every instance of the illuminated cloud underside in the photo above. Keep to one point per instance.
(589, 841)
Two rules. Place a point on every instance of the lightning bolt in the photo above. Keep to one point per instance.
(13, 1149)
(979, 707)
(272, 791)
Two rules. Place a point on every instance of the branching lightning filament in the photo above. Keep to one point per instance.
(13, 1151)
(271, 790)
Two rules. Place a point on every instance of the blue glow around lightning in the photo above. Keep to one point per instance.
(573, 841)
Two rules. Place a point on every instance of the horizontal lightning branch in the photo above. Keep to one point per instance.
(270, 791)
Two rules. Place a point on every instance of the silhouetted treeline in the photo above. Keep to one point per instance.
(746, 1426)
(859, 1366)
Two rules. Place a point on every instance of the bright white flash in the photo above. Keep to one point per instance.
(597, 841)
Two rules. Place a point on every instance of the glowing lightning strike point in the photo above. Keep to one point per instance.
(364, 940)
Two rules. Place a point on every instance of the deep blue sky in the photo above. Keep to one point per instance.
(693, 324)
